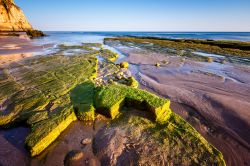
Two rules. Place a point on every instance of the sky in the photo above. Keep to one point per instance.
(138, 15)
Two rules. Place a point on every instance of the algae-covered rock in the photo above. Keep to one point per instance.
(38, 117)
(158, 65)
(50, 92)
(140, 141)
(82, 98)
(39, 95)
(109, 55)
(133, 82)
(110, 99)
(124, 65)
(45, 132)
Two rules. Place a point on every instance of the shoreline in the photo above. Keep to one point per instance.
(13, 48)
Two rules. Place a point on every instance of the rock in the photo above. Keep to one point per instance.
(35, 33)
(110, 146)
(110, 81)
(210, 59)
(12, 17)
(157, 64)
(72, 157)
(223, 61)
(75, 155)
(165, 62)
(78, 157)
(133, 82)
(124, 64)
(86, 141)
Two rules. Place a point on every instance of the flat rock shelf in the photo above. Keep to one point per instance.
(48, 93)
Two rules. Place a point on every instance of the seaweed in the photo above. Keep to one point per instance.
(227, 48)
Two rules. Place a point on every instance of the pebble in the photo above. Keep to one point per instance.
(86, 141)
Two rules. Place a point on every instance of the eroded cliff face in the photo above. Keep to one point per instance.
(12, 17)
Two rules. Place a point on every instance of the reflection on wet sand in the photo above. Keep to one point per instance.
(7, 59)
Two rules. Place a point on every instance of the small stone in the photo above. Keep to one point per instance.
(74, 155)
(210, 59)
(165, 62)
(223, 61)
(124, 64)
(86, 141)
(157, 64)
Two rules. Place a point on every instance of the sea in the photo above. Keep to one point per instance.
(76, 37)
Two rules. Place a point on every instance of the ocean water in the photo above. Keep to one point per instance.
(78, 37)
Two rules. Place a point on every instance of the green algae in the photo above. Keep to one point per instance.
(45, 132)
(124, 65)
(37, 91)
(110, 99)
(82, 97)
(180, 143)
(133, 82)
(211, 46)
(38, 117)
(109, 55)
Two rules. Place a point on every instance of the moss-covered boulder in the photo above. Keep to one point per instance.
(82, 97)
(110, 99)
(132, 82)
(46, 131)
(138, 140)
(124, 65)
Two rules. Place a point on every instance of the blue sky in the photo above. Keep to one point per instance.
(138, 15)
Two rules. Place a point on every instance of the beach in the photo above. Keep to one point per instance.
(214, 97)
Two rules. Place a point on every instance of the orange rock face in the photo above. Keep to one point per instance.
(12, 17)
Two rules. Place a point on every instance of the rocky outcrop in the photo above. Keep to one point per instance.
(12, 17)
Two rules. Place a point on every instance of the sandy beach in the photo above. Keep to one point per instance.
(14, 48)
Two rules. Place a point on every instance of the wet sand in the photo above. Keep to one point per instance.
(14, 48)
(213, 97)
(13, 150)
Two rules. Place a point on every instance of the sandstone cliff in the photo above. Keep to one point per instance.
(12, 17)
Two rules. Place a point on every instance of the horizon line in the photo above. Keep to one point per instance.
(148, 31)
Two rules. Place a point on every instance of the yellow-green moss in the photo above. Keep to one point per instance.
(109, 100)
(217, 47)
(45, 132)
(133, 82)
(124, 65)
(109, 55)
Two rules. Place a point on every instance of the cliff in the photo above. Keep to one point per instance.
(12, 17)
